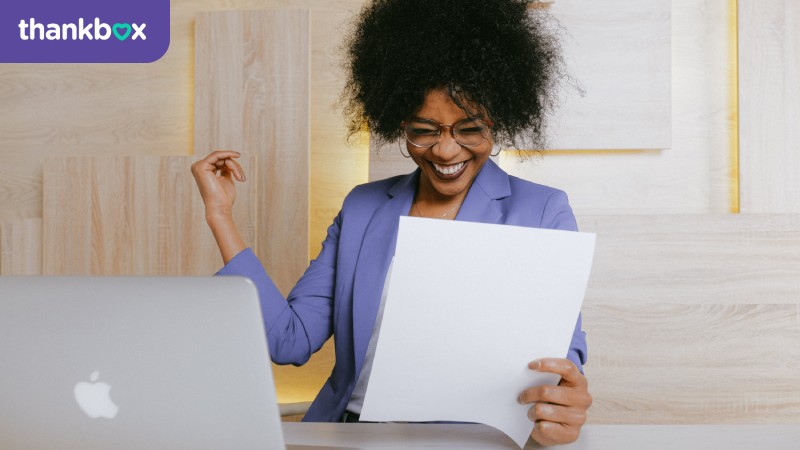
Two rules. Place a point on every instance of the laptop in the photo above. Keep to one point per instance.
(134, 362)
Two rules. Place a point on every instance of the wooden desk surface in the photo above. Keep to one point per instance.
(594, 437)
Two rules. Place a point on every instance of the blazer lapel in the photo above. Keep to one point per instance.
(480, 206)
(375, 255)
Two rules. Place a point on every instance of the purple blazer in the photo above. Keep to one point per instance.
(340, 291)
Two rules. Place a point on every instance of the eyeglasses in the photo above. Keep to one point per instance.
(469, 132)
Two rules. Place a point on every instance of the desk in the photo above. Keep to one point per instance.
(594, 437)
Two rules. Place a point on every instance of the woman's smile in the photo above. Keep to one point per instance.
(449, 171)
(448, 168)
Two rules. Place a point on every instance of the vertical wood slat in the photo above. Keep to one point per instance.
(252, 83)
(21, 247)
(252, 95)
(769, 99)
(137, 215)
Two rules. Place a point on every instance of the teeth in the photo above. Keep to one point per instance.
(451, 169)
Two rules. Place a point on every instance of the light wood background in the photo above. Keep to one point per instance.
(251, 95)
(131, 215)
(770, 105)
(690, 318)
(694, 318)
(21, 247)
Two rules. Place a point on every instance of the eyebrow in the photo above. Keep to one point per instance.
(425, 119)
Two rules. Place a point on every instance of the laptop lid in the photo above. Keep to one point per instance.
(134, 362)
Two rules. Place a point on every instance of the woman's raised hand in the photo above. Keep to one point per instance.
(214, 175)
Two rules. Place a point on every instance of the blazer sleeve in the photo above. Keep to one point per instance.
(558, 215)
(299, 325)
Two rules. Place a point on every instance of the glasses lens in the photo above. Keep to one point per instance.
(467, 132)
(423, 134)
(470, 132)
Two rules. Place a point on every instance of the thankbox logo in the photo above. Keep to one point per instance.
(84, 31)
(31, 30)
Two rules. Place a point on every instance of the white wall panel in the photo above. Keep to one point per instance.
(769, 61)
(618, 51)
(694, 176)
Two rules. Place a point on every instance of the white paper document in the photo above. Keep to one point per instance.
(469, 305)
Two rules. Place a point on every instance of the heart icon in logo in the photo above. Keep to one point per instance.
(122, 26)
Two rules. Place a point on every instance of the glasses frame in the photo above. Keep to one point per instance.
(404, 124)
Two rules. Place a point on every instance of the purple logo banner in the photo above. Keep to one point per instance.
(83, 31)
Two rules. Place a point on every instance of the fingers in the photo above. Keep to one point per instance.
(559, 421)
(222, 161)
(235, 168)
(547, 393)
(553, 433)
(557, 414)
(567, 369)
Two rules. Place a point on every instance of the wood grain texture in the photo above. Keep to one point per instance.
(695, 259)
(769, 95)
(137, 215)
(665, 395)
(739, 337)
(226, 78)
(694, 318)
(338, 163)
(111, 109)
(21, 247)
(252, 95)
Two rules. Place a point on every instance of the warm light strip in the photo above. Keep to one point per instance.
(733, 95)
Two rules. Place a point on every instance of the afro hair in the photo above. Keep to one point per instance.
(493, 56)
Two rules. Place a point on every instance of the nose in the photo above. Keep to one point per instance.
(446, 147)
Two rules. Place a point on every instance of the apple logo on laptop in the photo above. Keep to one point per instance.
(93, 398)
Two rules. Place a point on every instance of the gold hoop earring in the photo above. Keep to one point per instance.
(400, 145)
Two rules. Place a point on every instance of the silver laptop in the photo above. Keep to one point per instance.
(134, 362)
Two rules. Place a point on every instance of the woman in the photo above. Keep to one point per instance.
(450, 78)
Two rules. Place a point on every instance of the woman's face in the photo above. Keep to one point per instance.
(447, 168)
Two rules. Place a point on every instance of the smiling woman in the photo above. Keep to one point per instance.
(452, 78)
(448, 161)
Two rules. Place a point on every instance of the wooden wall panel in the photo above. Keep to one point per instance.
(695, 259)
(694, 319)
(138, 215)
(252, 95)
(769, 96)
(21, 247)
(338, 163)
(678, 395)
(619, 52)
